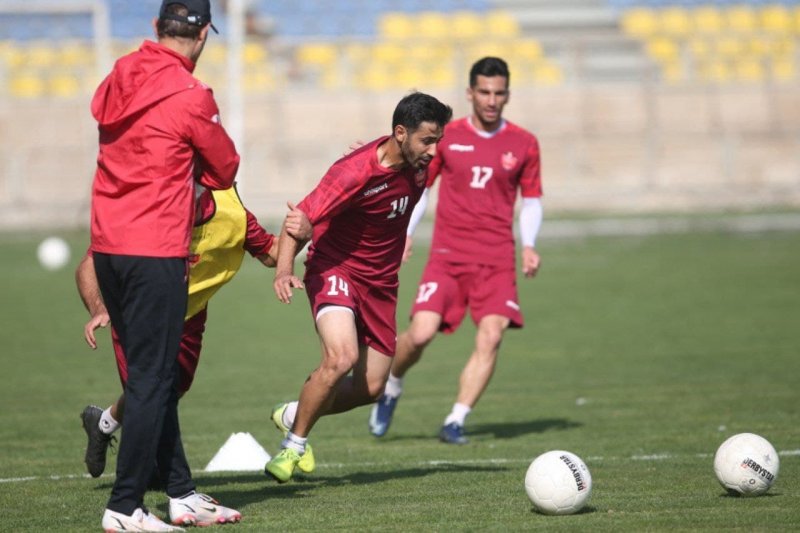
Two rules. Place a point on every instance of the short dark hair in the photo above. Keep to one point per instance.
(488, 66)
(417, 108)
(174, 28)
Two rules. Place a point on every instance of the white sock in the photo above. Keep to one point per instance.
(458, 414)
(107, 424)
(288, 415)
(294, 442)
(394, 386)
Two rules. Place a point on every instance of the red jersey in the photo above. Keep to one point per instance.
(360, 212)
(480, 178)
(159, 127)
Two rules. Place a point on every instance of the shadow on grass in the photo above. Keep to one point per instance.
(510, 430)
(506, 430)
(586, 510)
(228, 490)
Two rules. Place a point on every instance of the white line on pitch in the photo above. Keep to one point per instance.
(436, 462)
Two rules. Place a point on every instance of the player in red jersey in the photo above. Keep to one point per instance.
(483, 161)
(359, 212)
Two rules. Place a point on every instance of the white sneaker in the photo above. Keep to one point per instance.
(198, 509)
(138, 521)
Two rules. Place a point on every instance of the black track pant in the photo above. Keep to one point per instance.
(146, 301)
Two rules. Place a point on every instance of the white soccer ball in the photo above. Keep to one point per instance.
(746, 464)
(558, 482)
(53, 253)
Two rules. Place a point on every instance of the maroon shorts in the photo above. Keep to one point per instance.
(449, 289)
(374, 307)
(188, 357)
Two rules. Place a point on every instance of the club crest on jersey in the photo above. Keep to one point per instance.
(508, 160)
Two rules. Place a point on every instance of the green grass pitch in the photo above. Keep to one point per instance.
(640, 355)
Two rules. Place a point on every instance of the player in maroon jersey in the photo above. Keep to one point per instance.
(359, 212)
(483, 161)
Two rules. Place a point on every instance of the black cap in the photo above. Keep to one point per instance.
(199, 12)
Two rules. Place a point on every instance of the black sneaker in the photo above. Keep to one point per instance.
(97, 445)
(452, 433)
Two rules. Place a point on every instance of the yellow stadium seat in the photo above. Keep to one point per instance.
(759, 46)
(796, 19)
(214, 53)
(776, 19)
(64, 86)
(466, 25)
(547, 73)
(501, 24)
(409, 77)
(75, 55)
(389, 53)
(699, 47)
(662, 49)
(442, 76)
(41, 55)
(783, 69)
(320, 54)
(675, 21)
(11, 54)
(528, 49)
(741, 19)
(432, 25)
(730, 46)
(639, 22)
(708, 19)
(397, 26)
(502, 49)
(749, 70)
(375, 77)
(26, 85)
(716, 71)
(254, 53)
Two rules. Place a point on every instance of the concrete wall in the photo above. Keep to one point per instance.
(621, 147)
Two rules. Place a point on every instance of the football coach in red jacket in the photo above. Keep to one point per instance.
(159, 131)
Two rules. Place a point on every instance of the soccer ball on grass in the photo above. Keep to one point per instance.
(558, 482)
(746, 464)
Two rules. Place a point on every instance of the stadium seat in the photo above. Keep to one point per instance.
(41, 55)
(317, 53)
(640, 22)
(27, 85)
(64, 85)
(730, 46)
(741, 19)
(254, 53)
(548, 74)
(396, 26)
(675, 21)
(466, 26)
(527, 49)
(388, 53)
(708, 19)
(783, 69)
(433, 26)
(662, 49)
(749, 70)
(776, 19)
(501, 24)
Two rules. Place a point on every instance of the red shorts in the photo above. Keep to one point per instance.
(450, 288)
(374, 307)
(188, 357)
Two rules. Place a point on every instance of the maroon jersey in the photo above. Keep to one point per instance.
(480, 177)
(360, 211)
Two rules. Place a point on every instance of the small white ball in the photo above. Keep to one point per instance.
(53, 253)
(558, 482)
(746, 464)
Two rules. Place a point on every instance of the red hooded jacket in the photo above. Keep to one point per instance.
(159, 129)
